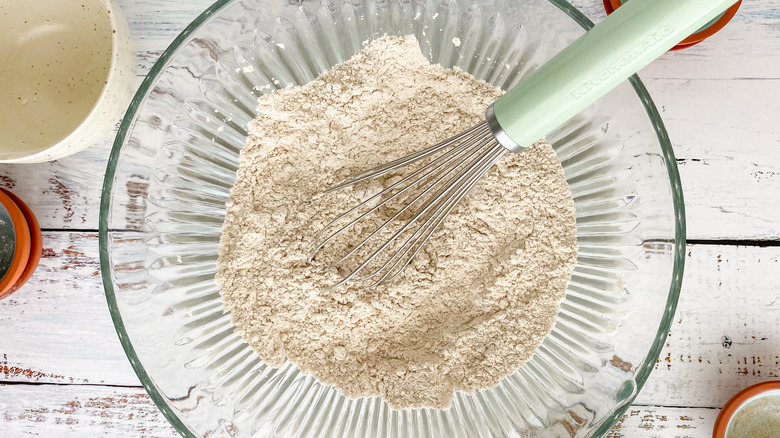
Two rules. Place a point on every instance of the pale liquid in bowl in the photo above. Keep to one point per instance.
(759, 418)
(55, 58)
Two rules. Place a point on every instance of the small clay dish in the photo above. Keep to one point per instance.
(15, 243)
(36, 244)
(753, 413)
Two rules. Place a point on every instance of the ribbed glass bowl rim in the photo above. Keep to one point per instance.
(151, 78)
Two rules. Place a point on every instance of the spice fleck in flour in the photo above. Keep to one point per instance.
(475, 303)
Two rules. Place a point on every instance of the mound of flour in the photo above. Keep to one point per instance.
(476, 302)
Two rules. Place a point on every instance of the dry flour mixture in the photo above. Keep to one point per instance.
(476, 302)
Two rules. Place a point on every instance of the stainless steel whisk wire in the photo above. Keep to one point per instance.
(472, 153)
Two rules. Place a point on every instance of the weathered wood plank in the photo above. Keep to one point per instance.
(155, 24)
(725, 135)
(57, 328)
(656, 421)
(79, 411)
(725, 333)
(98, 411)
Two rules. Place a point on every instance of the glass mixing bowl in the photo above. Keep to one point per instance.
(174, 161)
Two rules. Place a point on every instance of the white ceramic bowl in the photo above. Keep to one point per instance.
(66, 76)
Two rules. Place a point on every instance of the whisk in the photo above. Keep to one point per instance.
(416, 202)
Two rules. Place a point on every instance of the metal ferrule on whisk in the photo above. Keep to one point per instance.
(498, 132)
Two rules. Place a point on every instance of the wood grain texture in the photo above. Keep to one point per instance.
(725, 333)
(725, 135)
(724, 337)
(717, 99)
(57, 328)
(657, 421)
(102, 412)
(78, 411)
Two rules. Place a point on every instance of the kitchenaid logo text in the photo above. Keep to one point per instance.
(643, 46)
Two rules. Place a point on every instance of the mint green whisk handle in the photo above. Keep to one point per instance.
(624, 42)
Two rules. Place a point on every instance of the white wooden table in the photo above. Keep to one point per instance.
(64, 374)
